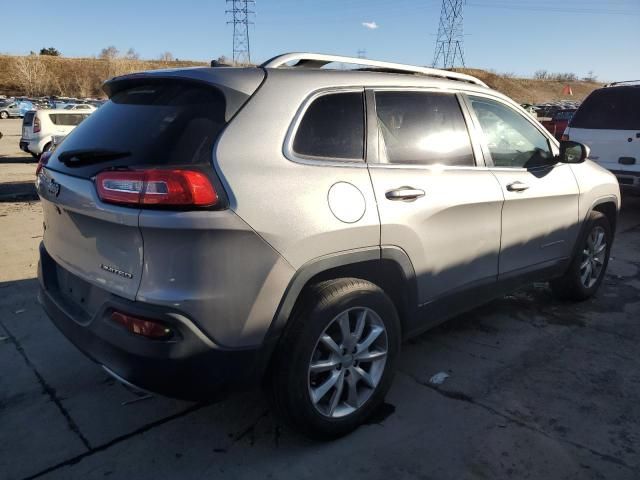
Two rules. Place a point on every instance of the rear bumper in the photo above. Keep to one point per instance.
(24, 145)
(189, 366)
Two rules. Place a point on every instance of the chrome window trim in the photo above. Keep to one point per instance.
(295, 157)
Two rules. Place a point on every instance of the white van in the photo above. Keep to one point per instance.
(38, 128)
(609, 122)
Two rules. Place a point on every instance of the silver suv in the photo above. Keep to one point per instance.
(211, 228)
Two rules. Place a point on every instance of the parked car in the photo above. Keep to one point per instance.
(39, 127)
(559, 122)
(80, 106)
(15, 108)
(212, 227)
(608, 121)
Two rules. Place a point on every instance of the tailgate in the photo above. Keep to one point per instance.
(99, 243)
(608, 147)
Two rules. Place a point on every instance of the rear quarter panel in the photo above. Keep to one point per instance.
(284, 201)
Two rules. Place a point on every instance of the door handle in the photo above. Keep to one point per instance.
(407, 194)
(517, 187)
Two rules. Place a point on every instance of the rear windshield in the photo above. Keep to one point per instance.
(27, 121)
(153, 123)
(67, 119)
(614, 108)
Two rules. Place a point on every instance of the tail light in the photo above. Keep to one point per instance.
(36, 124)
(44, 158)
(142, 326)
(179, 188)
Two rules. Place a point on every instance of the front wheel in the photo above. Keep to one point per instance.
(587, 270)
(336, 360)
(4, 115)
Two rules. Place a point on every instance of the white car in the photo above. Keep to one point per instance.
(81, 106)
(608, 121)
(40, 126)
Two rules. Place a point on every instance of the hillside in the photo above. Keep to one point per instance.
(527, 90)
(82, 77)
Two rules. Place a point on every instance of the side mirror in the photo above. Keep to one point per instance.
(573, 152)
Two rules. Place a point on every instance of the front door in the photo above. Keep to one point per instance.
(434, 202)
(540, 217)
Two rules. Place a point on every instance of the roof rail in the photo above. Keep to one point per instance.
(624, 82)
(318, 60)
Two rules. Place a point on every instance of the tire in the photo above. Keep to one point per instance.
(4, 115)
(572, 285)
(323, 310)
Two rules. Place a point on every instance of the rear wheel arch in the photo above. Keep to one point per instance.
(389, 268)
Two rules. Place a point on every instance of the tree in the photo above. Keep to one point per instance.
(31, 73)
(591, 77)
(132, 55)
(53, 52)
(166, 57)
(109, 53)
(541, 75)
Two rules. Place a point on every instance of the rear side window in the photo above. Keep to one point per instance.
(333, 127)
(151, 123)
(614, 108)
(27, 121)
(67, 119)
(423, 128)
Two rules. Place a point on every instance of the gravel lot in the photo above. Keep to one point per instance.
(537, 389)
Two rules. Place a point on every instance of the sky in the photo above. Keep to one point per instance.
(507, 36)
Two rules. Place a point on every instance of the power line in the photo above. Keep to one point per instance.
(240, 14)
(449, 43)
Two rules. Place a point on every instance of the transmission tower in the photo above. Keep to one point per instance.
(240, 14)
(449, 44)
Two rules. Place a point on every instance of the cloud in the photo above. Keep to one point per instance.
(370, 25)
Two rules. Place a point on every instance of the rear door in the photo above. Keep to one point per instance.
(540, 212)
(435, 201)
(609, 123)
(158, 124)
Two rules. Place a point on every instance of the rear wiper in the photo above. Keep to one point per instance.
(73, 158)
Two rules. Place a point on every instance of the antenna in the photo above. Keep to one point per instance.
(240, 14)
(449, 44)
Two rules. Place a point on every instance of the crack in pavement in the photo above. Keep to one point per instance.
(48, 389)
(121, 438)
(461, 396)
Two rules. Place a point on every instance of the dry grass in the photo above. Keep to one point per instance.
(527, 90)
(73, 77)
(83, 77)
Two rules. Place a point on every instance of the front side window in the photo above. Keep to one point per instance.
(333, 127)
(512, 140)
(423, 128)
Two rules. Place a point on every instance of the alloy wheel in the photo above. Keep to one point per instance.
(347, 362)
(593, 257)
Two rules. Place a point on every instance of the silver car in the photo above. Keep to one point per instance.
(289, 224)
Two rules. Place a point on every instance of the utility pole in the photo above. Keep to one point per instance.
(240, 13)
(449, 44)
